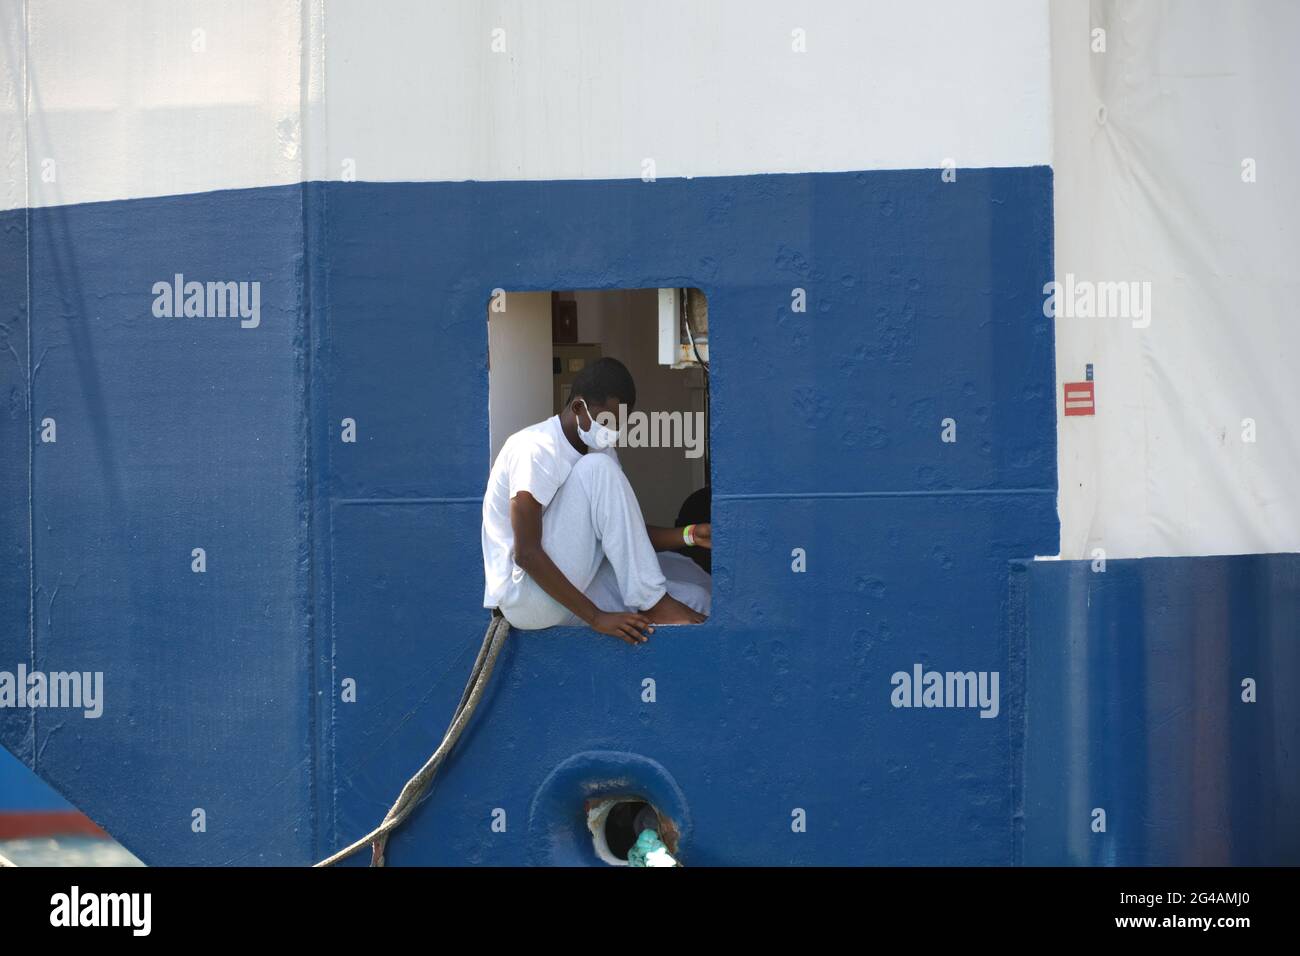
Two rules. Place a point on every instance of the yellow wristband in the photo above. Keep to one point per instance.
(688, 535)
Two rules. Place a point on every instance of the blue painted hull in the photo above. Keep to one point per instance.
(329, 561)
(21, 791)
(1164, 693)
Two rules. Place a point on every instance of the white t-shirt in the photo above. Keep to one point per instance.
(537, 460)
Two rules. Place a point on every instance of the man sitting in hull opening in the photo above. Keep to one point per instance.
(564, 541)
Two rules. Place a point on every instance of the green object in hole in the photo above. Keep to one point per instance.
(649, 850)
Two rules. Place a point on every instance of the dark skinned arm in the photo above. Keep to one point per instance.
(526, 522)
(670, 539)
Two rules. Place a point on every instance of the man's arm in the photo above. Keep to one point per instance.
(526, 522)
(670, 539)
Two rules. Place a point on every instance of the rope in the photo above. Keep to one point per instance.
(416, 787)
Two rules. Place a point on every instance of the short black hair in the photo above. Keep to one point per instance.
(603, 379)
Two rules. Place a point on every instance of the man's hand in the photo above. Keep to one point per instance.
(627, 627)
(703, 535)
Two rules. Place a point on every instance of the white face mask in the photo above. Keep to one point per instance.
(598, 436)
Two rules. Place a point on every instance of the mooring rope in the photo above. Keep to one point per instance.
(415, 788)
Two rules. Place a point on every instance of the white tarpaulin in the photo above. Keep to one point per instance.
(1174, 156)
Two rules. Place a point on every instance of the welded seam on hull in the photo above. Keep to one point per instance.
(741, 496)
(307, 596)
(322, 792)
(936, 493)
(305, 425)
(31, 410)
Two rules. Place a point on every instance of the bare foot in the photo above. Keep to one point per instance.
(669, 610)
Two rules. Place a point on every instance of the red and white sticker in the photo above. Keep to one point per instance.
(1079, 398)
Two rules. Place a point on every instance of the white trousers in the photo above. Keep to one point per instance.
(594, 533)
